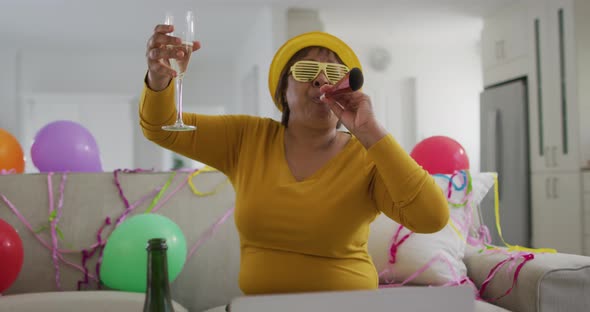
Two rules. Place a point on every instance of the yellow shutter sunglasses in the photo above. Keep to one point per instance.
(306, 71)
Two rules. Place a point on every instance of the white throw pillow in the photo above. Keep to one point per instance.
(430, 259)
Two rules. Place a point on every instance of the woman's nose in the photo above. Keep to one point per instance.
(320, 80)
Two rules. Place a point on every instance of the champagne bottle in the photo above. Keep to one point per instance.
(157, 295)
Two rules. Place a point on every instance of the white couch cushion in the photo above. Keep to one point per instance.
(440, 254)
(549, 282)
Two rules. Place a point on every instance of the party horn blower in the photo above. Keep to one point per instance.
(352, 81)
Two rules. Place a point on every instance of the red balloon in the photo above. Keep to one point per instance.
(440, 154)
(11, 255)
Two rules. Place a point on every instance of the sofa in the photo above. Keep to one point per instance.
(208, 281)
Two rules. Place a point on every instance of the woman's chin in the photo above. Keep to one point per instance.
(324, 110)
(324, 114)
(322, 117)
(327, 118)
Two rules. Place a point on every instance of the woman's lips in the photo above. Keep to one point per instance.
(316, 99)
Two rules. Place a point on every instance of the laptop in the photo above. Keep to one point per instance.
(407, 298)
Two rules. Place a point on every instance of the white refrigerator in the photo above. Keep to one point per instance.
(504, 149)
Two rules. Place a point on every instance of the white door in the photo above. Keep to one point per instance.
(554, 127)
(557, 211)
(565, 148)
(107, 117)
(539, 72)
(552, 121)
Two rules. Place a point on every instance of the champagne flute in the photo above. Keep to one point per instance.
(185, 30)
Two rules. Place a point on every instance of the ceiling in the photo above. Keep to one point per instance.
(221, 23)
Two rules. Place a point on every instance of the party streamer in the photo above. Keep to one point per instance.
(209, 232)
(497, 213)
(54, 219)
(162, 191)
(527, 257)
(199, 193)
(55, 214)
(513, 253)
(394, 248)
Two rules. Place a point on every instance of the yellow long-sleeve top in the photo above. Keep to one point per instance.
(309, 235)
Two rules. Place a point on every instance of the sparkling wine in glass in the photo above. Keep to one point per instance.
(185, 30)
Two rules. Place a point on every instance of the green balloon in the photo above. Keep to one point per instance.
(124, 264)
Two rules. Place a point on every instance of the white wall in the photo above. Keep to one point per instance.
(81, 71)
(8, 85)
(444, 59)
(448, 85)
(274, 25)
(266, 35)
(61, 71)
(107, 117)
(210, 85)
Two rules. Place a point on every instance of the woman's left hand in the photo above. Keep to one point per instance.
(355, 111)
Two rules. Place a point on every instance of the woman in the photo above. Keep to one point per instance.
(306, 192)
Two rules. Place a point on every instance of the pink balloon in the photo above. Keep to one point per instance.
(63, 146)
(11, 255)
(440, 154)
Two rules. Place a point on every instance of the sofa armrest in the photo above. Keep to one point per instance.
(549, 282)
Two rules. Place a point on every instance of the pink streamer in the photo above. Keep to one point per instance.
(7, 172)
(37, 236)
(512, 264)
(54, 221)
(138, 203)
(99, 245)
(58, 252)
(395, 245)
(483, 237)
(462, 224)
(527, 257)
(24, 221)
(121, 217)
(53, 231)
(456, 280)
(85, 281)
(209, 232)
(88, 254)
(118, 183)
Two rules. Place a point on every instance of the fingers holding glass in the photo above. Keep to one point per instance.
(182, 48)
(157, 54)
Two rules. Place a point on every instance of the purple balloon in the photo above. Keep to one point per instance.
(63, 146)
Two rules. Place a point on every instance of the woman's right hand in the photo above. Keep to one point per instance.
(159, 71)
